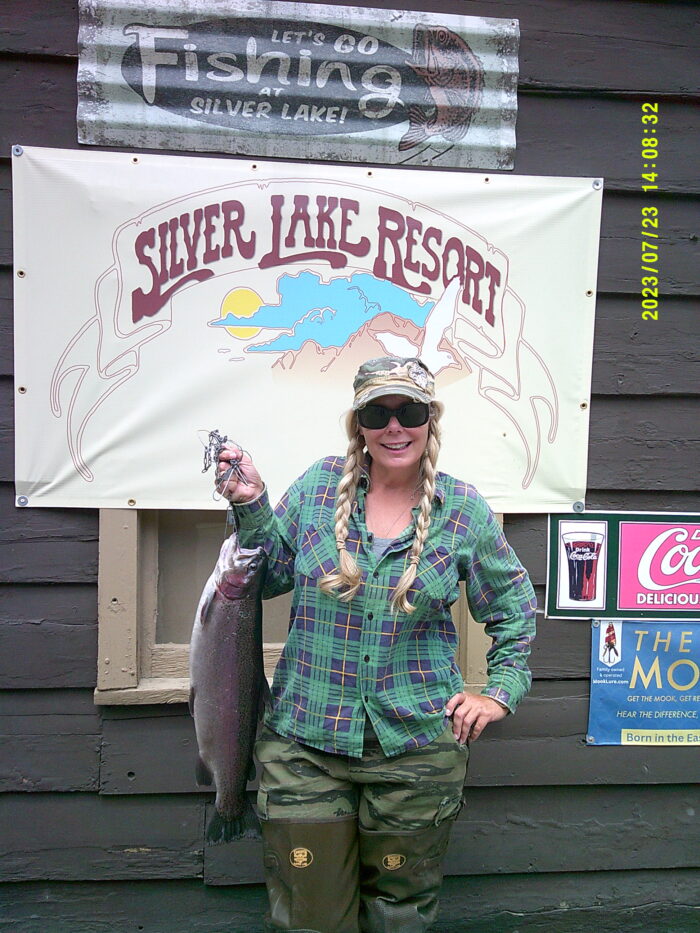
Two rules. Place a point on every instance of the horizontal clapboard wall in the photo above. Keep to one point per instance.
(57, 741)
(105, 838)
(596, 900)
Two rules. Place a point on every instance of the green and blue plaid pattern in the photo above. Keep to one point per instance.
(344, 662)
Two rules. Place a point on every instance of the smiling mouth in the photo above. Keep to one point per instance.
(396, 446)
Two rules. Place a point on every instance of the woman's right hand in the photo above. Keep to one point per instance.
(243, 484)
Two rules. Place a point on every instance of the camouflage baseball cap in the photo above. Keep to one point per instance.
(393, 375)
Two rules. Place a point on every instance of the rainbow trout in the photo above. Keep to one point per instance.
(228, 686)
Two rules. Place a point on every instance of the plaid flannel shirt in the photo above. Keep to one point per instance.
(346, 661)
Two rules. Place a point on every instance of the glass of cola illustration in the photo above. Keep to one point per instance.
(582, 550)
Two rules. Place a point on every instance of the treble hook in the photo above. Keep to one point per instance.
(212, 451)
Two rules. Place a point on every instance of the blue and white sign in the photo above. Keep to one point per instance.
(645, 683)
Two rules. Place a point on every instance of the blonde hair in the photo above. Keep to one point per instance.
(348, 578)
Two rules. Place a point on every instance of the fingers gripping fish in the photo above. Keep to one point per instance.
(228, 685)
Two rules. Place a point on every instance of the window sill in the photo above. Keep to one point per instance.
(149, 690)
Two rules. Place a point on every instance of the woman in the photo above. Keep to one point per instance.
(364, 751)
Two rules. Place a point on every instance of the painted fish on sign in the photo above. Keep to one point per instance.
(299, 77)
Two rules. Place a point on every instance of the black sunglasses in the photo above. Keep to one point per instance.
(410, 415)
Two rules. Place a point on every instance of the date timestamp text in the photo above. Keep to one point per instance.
(650, 213)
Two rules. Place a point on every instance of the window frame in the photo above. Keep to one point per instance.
(133, 668)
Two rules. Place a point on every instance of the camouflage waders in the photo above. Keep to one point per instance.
(356, 844)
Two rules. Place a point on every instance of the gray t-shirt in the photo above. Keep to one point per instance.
(379, 545)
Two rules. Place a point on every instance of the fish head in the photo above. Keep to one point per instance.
(239, 570)
(248, 566)
(437, 51)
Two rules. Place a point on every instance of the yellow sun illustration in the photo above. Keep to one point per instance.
(243, 303)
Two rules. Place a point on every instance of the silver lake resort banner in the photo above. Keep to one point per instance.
(158, 298)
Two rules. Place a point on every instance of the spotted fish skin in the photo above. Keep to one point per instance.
(227, 684)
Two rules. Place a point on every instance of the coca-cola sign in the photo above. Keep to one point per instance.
(582, 553)
(659, 565)
(622, 564)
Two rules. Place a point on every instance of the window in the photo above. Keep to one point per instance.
(153, 565)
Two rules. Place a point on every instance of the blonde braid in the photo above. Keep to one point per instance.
(349, 575)
(399, 600)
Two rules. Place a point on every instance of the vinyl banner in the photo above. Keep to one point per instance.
(159, 298)
(621, 564)
(298, 80)
(645, 683)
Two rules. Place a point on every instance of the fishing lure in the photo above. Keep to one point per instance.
(212, 451)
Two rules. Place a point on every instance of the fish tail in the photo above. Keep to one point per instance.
(417, 131)
(244, 826)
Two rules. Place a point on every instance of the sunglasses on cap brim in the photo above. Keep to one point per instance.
(410, 415)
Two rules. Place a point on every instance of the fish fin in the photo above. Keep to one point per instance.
(202, 773)
(265, 698)
(205, 600)
(456, 131)
(204, 607)
(245, 826)
(416, 131)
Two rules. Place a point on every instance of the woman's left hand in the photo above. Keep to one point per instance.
(471, 713)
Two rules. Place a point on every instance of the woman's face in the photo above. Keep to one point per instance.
(395, 447)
